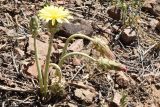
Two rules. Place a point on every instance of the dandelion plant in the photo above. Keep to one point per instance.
(55, 16)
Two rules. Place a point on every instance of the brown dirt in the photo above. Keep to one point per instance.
(88, 85)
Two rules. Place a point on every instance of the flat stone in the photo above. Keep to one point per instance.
(152, 7)
(122, 80)
(84, 95)
(76, 26)
(128, 36)
(153, 23)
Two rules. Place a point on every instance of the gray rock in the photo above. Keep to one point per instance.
(76, 26)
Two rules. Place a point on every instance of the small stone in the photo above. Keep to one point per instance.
(76, 61)
(157, 85)
(85, 95)
(32, 69)
(157, 65)
(117, 98)
(76, 46)
(114, 12)
(153, 23)
(128, 36)
(122, 80)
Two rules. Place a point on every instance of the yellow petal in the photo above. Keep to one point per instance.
(59, 20)
(66, 20)
(54, 13)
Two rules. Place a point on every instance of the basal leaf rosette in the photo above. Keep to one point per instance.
(55, 14)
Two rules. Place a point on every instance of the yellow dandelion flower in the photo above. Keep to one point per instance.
(54, 14)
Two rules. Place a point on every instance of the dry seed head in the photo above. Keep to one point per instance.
(103, 48)
(111, 65)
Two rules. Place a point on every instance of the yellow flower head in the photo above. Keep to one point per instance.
(54, 14)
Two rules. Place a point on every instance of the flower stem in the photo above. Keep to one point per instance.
(58, 71)
(40, 78)
(70, 38)
(47, 64)
(71, 54)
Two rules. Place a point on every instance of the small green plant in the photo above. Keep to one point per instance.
(130, 10)
(123, 101)
(55, 16)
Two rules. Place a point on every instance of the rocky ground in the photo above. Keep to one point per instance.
(133, 35)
